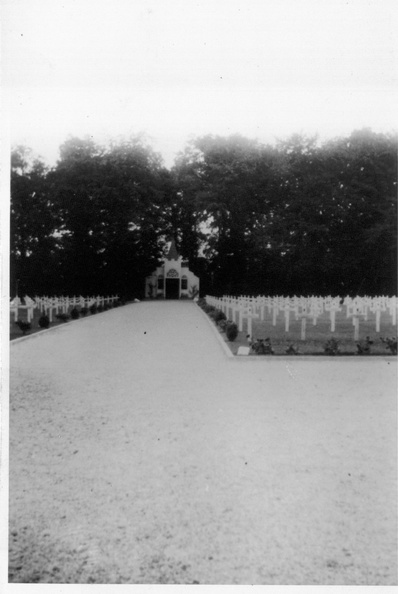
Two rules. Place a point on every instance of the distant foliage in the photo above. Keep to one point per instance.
(299, 217)
(307, 218)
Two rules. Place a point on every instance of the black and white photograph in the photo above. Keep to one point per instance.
(198, 295)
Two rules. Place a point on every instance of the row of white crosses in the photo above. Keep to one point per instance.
(237, 309)
(16, 305)
(62, 304)
(359, 307)
(251, 308)
(247, 308)
(51, 305)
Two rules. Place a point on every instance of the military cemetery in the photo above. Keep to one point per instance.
(203, 378)
(199, 280)
(314, 319)
(203, 367)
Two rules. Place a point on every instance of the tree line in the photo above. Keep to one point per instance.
(297, 217)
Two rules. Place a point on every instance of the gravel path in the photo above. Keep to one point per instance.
(139, 453)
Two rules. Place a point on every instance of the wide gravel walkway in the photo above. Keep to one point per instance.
(139, 453)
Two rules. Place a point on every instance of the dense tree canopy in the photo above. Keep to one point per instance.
(297, 217)
(34, 244)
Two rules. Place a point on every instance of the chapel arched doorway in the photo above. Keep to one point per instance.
(173, 284)
(172, 288)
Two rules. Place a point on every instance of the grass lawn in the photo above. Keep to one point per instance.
(318, 335)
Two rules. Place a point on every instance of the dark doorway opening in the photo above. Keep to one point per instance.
(172, 288)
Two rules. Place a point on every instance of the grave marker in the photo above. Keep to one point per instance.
(243, 350)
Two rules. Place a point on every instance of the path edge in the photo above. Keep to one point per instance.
(227, 351)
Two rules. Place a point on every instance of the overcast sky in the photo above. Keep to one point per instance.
(175, 68)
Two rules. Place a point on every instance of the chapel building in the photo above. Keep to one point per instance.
(172, 279)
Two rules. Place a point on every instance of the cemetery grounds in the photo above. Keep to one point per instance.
(316, 336)
(371, 325)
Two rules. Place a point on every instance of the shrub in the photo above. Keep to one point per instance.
(44, 321)
(193, 292)
(93, 308)
(64, 317)
(219, 315)
(202, 302)
(231, 331)
(74, 314)
(391, 344)
(84, 311)
(363, 347)
(292, 350)
(151, 290)
(331, 347)
(222, 324)
(263, 346)
(24, 326)
(100, 308)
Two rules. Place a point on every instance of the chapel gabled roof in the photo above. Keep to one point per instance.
(172, 254)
